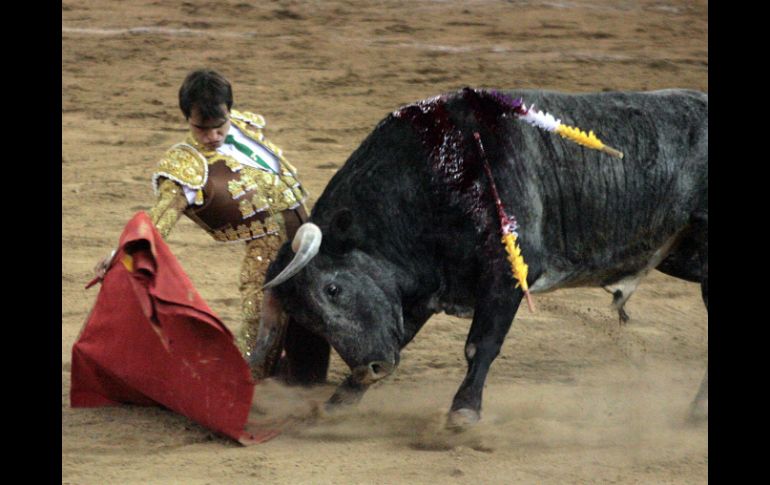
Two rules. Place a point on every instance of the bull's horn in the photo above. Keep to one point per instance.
(264, 355)
(305, 244)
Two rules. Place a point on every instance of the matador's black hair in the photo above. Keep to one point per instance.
(208, 91)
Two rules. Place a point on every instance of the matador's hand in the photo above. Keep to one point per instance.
(101, 267)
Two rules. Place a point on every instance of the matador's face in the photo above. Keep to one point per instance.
(207, 131)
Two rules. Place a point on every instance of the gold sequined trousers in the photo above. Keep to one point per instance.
(259, 254)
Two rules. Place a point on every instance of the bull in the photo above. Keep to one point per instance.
(407, 228)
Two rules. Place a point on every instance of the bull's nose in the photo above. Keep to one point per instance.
(372, 372)
(381, 369)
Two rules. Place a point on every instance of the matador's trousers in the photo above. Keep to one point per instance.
(260, 253)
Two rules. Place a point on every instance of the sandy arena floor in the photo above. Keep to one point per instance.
(573, 397)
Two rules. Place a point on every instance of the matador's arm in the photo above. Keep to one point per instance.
(168, 207)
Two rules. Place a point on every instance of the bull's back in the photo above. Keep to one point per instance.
(593, 218)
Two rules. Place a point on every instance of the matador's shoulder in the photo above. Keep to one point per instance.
(183, 164)
(255, 120)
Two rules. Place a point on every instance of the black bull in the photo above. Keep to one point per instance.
(409, 227)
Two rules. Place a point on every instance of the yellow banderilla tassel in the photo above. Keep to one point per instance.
(587, 140)
(518, 267)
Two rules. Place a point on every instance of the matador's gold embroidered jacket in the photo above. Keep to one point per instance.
(233, 201)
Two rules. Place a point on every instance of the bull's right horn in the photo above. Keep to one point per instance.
(306, 243)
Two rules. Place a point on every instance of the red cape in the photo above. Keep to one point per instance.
(151, 340)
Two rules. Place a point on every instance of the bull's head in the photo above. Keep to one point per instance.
(345, 294)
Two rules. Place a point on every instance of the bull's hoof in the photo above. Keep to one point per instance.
(460, 419)
(623, 316)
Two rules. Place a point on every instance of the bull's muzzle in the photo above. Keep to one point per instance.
(372, 372)
(305, 245)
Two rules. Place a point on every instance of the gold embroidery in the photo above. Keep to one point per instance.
(218, 157)
(168, 207)
(254, 119)
(271, 226)
(232, 164)
(207, 154)
(268, 179)
(287, 197)
(247, 210)
(243, 231)
(167, 221)
(184, 165)
(259, 253)
(292, 170)
(248, 179)
(251, 173)
(167, 191)
(273, 147)
(235, 188)
(278, 192)
(260, 202)
(257, 229)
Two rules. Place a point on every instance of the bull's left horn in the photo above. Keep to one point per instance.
(264, 355)
(306, 243)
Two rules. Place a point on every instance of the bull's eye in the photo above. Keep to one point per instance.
(332, 289)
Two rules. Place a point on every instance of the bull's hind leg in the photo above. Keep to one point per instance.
(699, 410)
(621, 292)
(690, 262)
(492, 318)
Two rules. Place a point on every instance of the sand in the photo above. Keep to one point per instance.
(573, 398)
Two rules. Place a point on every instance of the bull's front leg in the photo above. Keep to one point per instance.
(492, 319)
